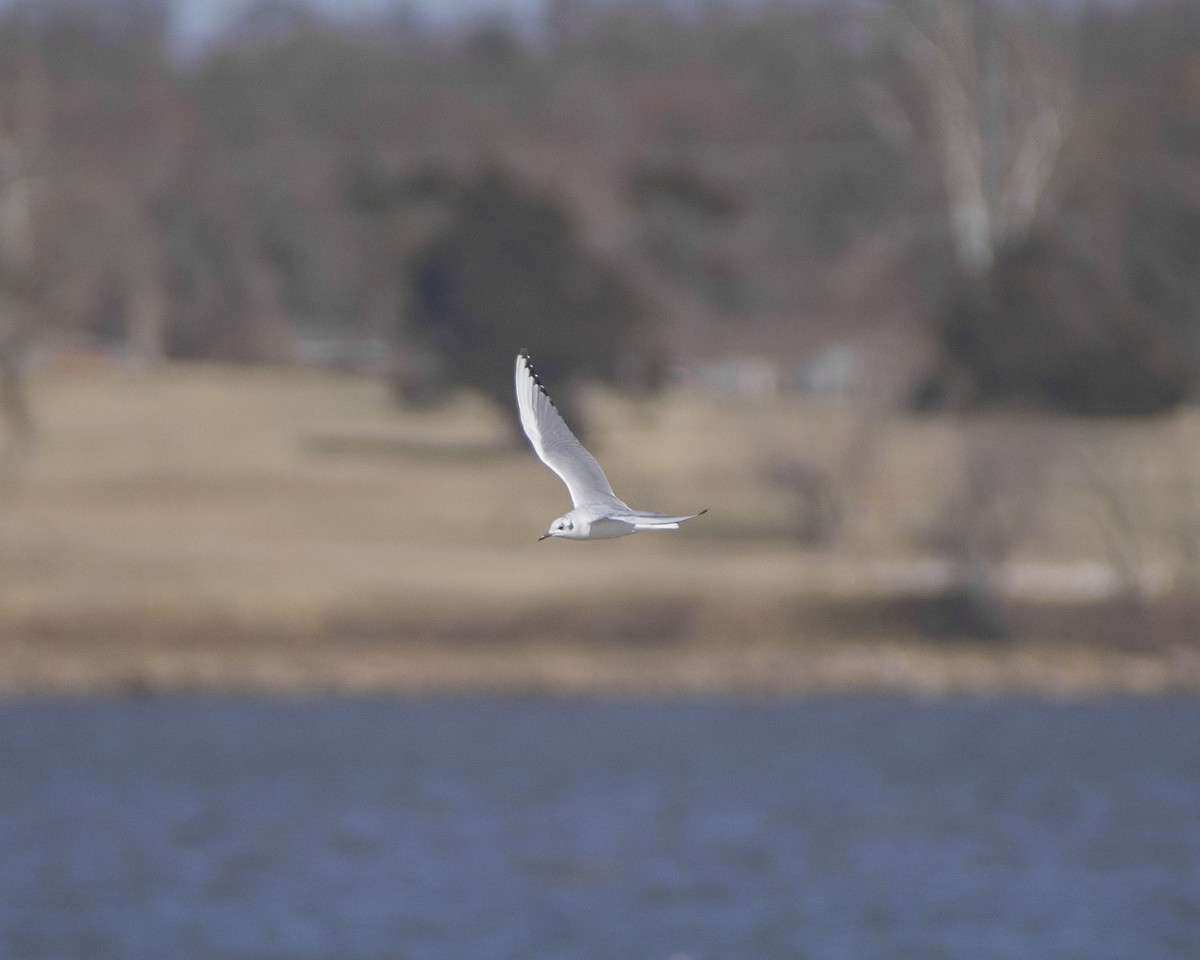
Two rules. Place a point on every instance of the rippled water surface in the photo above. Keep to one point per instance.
(530, 829)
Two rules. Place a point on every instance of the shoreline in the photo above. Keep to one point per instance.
(751, 669)
(681, 645)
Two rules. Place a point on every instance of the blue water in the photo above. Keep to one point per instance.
(531, 829)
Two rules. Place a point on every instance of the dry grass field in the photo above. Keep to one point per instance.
(205, 527)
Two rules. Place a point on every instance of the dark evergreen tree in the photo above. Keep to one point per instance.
(509, 270)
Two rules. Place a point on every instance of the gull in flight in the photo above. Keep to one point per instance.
(597, 513)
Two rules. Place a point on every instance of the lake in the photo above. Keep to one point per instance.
(545, 829)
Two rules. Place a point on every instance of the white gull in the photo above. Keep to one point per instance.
(597, 514)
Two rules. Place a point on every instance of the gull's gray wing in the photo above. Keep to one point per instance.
(556, 445)
(644, 520)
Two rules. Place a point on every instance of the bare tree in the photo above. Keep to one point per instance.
(993, 502)
(1146, 515)
(994, 104)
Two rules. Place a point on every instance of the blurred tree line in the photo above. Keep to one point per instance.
(618, 180)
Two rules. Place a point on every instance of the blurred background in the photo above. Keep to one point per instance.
(906, 293)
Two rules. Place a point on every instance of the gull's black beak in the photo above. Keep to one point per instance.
(543, 537)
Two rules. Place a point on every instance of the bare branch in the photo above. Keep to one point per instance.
(997, 103)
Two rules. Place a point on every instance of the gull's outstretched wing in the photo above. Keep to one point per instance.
(556, 445)
(643, 520)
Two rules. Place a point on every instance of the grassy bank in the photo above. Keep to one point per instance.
(217, 529)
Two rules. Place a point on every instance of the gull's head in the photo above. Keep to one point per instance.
(564, 526)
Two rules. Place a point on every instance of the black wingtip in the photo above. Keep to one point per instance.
(536, 379)
(702, 512)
